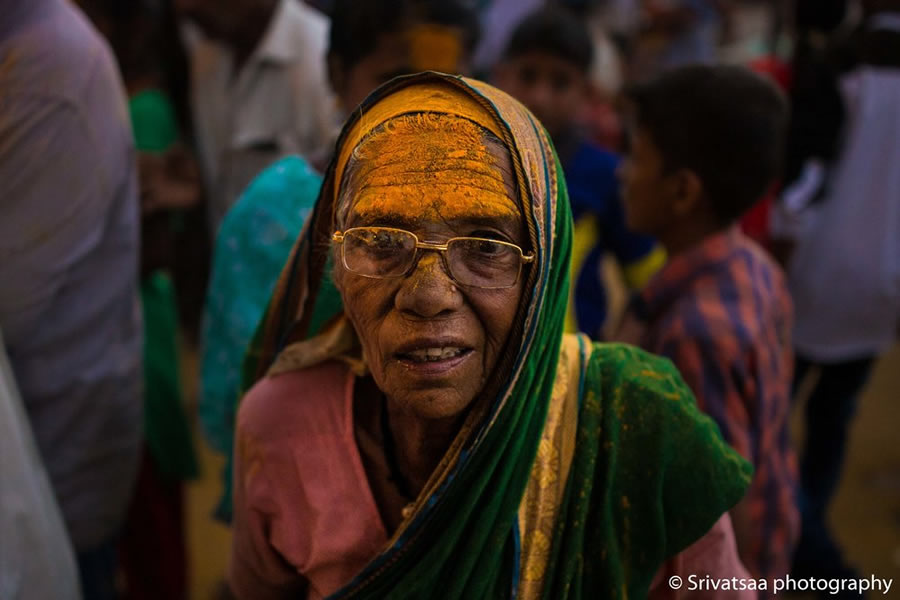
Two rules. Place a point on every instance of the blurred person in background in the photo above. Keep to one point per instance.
(706, 142)
(809, 77)
(817, 108)
(599, 117)
(674, 33)
(546, 66)
(259, 89)
(498, 19)
(69, 244)
(36, 556)
(622, 17)
(153, 544)
(370, 43)
(844, 269)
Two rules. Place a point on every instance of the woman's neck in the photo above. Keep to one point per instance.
(418, 445)
(399, 451)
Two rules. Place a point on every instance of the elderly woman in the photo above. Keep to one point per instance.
(430, 432)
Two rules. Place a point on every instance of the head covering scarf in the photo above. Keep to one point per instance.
(462, 537)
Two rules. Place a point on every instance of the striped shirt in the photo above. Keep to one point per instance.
(722, 313)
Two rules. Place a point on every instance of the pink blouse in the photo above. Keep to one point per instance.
(304, 514)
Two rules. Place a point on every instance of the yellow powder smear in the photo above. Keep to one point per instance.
(438, 98)
(427, 166)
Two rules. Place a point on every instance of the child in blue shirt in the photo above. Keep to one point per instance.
(545, 66)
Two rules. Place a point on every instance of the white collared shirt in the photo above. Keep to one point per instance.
(278, 103)
(845, 272)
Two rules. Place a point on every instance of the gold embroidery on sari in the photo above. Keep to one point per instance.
(547, 484)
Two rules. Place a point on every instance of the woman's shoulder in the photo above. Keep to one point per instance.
(633, 385)
(646, 408)
(658, 449)
(305, 401)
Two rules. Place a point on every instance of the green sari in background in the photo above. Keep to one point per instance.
(582, 468)
(167, 430)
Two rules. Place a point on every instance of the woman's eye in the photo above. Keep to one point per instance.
(384, 241)
(490, 248)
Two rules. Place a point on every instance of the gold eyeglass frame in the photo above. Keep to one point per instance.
(338, 238)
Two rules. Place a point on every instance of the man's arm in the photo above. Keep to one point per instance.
(54, 200)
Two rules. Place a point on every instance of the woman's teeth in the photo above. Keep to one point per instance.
(434, 354)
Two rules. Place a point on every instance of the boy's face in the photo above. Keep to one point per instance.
(552, 88)
(646, 192)
(420, 47)
(389, 59)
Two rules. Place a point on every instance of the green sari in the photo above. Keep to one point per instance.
(640, 473)
(167, 429)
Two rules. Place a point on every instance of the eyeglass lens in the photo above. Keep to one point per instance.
(381, 252)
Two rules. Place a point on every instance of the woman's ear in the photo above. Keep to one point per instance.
(687, 192)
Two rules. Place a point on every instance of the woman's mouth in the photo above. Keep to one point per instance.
(433, 354)
(437, 360)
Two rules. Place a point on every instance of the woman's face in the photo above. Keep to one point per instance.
(438, 187)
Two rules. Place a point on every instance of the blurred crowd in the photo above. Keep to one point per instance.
(158, 159)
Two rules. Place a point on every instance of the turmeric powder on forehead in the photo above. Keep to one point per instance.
(431, 166)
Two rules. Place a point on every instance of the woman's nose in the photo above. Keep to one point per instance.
(429, 290)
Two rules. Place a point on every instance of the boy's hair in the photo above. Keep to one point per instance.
(724, 123)
(453, 13)
(555, 31)
(357, 25)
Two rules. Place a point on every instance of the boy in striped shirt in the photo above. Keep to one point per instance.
(705, 145)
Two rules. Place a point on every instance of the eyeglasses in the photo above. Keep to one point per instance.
(385, 252)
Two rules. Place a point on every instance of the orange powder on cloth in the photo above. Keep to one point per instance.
(426, 167)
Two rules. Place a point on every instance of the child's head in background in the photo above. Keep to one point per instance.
(374, 41)
(545, 66)
(706, 144)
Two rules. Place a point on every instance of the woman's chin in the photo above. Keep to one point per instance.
(434, 405)
(434, 391)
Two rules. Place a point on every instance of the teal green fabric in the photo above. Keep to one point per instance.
(253, 243)
(153, 121)
(167, 429)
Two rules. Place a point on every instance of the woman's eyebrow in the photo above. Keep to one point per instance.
(501, 222)
(384, 220)
(505, 223)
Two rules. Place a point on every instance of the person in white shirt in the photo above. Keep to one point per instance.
(36, 557)
(844, 272)
(259, 89)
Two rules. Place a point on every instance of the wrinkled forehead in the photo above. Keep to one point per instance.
(428, 167)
